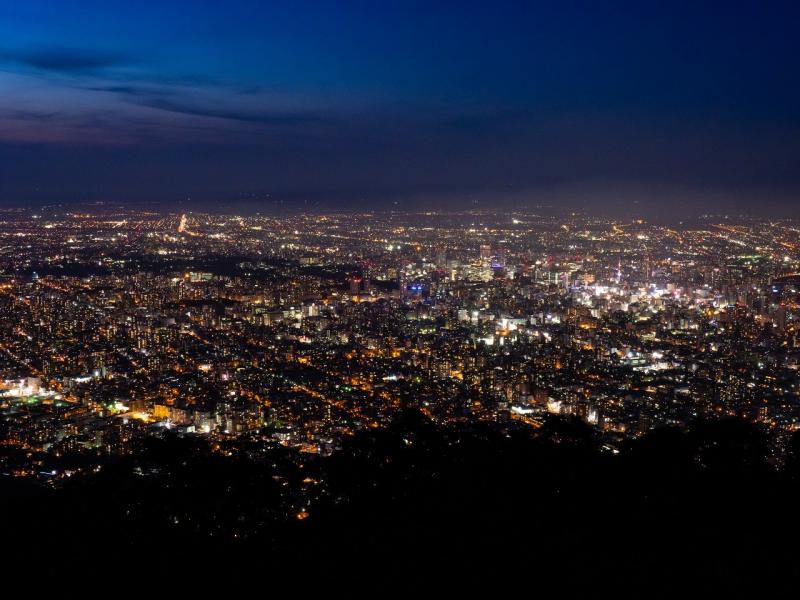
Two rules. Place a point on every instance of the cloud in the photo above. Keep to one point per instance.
(248, 116)
(74, 83)
(65, 60)
(126, 90)
(107, 71)
(169, 100)
(32, 115)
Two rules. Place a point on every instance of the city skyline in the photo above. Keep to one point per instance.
(600, 401)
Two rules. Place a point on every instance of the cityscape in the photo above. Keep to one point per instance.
(300, 331)
(339, 299)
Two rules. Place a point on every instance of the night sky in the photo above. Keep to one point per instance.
(601, 105)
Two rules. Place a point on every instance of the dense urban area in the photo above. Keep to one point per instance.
(188, 390)
(300, 331)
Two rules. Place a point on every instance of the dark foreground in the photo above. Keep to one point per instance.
(414, 508)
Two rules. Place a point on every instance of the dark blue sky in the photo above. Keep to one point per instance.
(420, 103)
